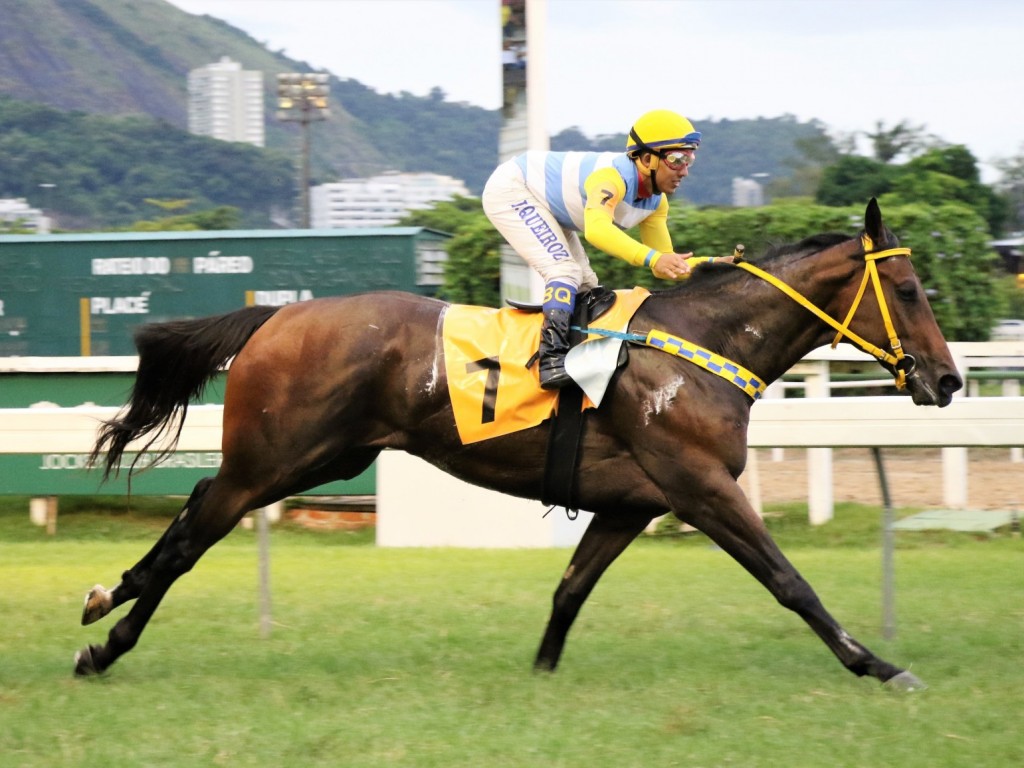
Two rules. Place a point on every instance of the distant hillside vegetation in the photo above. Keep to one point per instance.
(132, 57)
(118, 70)
(775, 149)
(99, 171)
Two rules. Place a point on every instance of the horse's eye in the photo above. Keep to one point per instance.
(907, 292)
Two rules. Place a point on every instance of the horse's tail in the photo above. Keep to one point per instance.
(176, 361)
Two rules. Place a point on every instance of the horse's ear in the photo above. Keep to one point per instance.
(873, 221)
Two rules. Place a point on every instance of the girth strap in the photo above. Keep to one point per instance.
(559, 485)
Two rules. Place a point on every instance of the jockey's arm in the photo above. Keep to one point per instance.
(605, 189)
(654, 231)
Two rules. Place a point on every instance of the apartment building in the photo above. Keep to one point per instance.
(379, 201)
(226, 102)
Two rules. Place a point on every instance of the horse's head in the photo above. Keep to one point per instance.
(893, 314)
(863, 290)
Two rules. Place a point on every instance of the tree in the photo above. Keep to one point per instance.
(15, 227)
(853, 179)
(169, 205)
(472, 273)
(955, 263)
(222, 218)
(902, 139)
(450, 216)
(938, 175)
(1011, 189)
(816, 153)
(948, 174)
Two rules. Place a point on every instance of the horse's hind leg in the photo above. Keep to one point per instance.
(214, 508)
(604, 540)
(101, 601)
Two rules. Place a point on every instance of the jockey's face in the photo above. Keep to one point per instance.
(673, 169)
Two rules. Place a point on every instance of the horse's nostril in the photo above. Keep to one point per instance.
(950, 383)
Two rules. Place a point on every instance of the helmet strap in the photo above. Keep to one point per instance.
(654, 161)
(640, 142)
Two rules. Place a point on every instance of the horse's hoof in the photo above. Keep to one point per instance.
(545, 665)
(85, 664)
(905, 682)
(98, 603)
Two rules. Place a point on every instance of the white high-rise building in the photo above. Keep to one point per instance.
(379, 201)
(226, 102)
(747, 193)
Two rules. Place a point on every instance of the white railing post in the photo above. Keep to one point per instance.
(954, 459)
(750, 481)
(776, 390)
(819, 460)
(1011, 388)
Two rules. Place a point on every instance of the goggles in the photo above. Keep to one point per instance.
(677, 159)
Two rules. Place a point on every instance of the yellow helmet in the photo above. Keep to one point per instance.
(659, 130)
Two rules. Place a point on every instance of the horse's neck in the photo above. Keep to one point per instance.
(751, 322)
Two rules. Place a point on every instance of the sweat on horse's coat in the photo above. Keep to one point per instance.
(313, 396)
(661, 398)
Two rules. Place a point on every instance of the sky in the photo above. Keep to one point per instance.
(954, 67)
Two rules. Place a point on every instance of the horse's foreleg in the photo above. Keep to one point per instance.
(101, 601)
(603, 541)
(738, 530)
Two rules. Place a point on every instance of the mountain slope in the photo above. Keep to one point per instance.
(133, 57)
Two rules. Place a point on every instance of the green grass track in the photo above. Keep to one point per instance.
(423, 657)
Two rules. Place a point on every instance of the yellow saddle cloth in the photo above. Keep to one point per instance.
(492, 391)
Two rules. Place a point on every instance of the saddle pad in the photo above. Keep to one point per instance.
(486, 350)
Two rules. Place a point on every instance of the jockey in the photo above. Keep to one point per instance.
(539, 201)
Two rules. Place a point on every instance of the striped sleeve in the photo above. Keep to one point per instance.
(604, 190)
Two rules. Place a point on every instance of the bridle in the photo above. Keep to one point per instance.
(903, 364)
(752, 384)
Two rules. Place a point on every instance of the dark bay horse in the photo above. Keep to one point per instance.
(316, 390)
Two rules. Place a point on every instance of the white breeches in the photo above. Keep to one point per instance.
(532, 231)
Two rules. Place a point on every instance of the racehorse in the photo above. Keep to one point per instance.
(316, 390)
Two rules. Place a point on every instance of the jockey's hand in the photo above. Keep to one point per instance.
(672, 266)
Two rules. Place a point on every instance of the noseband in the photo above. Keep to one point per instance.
(902, 364)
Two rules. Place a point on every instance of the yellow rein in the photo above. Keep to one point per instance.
(896, 357)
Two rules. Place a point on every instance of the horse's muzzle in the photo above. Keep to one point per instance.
(948, 384)
(941, 395)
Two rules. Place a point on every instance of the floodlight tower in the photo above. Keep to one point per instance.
(302, 98)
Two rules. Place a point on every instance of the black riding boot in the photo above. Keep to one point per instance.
(554, 345)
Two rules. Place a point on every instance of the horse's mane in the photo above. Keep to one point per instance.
(710, 276)
(806, 247)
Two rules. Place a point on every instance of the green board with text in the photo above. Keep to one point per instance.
(83, 295)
